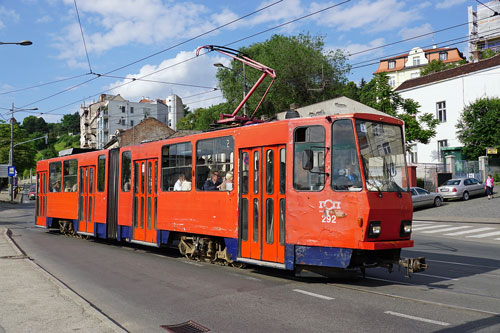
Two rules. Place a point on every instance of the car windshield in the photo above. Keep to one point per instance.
(382, 156)
(452, 182)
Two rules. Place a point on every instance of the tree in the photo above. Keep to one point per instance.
(478, 127)
(379, 95)
(306, 74)
(201, 118)
(23, 154)
(34, 124)
(71, 123)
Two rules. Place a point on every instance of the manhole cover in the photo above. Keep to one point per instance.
(187, 327)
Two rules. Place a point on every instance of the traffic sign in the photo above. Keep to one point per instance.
(12, 171)
(491, 151)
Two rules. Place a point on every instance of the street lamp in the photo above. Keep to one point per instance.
(23, 43)
(220, 65)
(11, 152)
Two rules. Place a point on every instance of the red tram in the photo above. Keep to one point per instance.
(317, 194)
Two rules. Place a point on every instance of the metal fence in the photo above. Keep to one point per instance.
(467, 169)
(427, 175)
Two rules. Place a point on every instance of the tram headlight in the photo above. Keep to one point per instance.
(405, 229)
(374, 229)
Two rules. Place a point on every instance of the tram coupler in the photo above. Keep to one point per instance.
(413, 265)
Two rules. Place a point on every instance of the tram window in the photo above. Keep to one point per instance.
(101, 173)
(255, 227)
(176, 166)
(269, 221)
(282, 221)
(244, 219)
(91, 180)
(143, 171)
(346, 175)
(213, 155)
(70, 175)
(309, 139)
(126, 170)
(55, 173)
(255, 172)
(150, 177)
(136, 177)
(245, 172)
(282, 170)
(269, 171)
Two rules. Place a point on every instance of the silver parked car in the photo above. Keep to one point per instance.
(421, 198)
(461, 188)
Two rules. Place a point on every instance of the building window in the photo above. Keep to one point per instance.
(392, 64)
(123, 121)
(131, 109)
(441, 144)
(131, 123)
(441, 111)
(413, 157)
(416, 61)
(392, 81)
(122, 108)
(443, 56)
(176, 166)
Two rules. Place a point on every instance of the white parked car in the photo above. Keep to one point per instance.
(461, 188)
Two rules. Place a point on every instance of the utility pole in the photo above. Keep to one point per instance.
(11, 178)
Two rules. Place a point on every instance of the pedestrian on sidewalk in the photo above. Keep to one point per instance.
(489, 187)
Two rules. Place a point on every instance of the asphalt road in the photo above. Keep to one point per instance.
(143, 288)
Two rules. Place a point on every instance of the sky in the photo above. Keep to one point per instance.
(133, 38)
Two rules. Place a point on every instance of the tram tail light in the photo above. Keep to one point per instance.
(405, 229)
(374, 229)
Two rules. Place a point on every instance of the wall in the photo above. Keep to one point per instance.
(457, 93)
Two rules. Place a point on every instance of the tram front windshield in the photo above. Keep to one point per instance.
(382, 156)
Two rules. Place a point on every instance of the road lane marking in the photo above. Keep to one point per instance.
(444, 230)
(461, 263)
(494, 233)
(192, 263)
(441, 323)
(436, 276)
(419, 228)
(468, 231)
(313, 294)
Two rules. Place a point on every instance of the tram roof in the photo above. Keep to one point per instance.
(339, 105)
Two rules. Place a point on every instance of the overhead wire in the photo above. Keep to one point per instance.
(156, 53)
(467, 39)
(83, 37)
(201, 54)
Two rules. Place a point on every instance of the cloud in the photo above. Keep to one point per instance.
(6, 14)
(426, 28)
(44, 19)
(372, 16)
(449, 3)
(198, 71)
(357, 49)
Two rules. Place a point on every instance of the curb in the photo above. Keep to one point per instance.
(65, 290)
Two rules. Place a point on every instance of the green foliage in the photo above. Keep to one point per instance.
(379, 95)
(479, 127)
(201, 118)
(67, 141)
(436, 66)
(496, 177)
(306, 74)
(70, 123)
(488, 53)
(23, 154)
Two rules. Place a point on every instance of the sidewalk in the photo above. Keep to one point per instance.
(31, 300)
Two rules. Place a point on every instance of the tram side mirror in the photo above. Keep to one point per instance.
(307, 159)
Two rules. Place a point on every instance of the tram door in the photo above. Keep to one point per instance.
(41, 200)
(86, 199)
(145, 200)
(262, 204)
